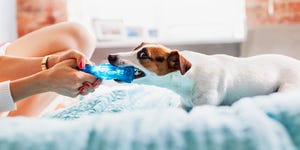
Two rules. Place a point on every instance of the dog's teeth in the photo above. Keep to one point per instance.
(137, 72)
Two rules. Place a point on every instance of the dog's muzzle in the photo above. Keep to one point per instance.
(116, 61)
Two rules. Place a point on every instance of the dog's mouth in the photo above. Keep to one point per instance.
(138, 73)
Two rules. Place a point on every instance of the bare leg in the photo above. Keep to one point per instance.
(33, 106)
(49, 40)
(53, 39)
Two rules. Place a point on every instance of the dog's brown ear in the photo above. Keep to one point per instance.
(178, 62)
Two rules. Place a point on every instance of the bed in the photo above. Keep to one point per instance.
(134, 116)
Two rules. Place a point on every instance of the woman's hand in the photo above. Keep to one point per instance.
(80, 58)
(65, 79)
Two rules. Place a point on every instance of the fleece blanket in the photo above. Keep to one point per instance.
(258, 123)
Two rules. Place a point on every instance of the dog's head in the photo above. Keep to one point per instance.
(155, 58)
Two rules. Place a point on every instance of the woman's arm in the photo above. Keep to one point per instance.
(12, 67)
(27, 86)
(16, 67)
(63, 78)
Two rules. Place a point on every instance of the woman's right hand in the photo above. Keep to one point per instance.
(64, 78)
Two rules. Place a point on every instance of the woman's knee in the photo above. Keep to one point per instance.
(85, 41)
(54, 39)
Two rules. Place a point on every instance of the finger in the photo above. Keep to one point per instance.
(51, 60)
(82, 91)
(70, 62)
(91, 90)
(85, 61)
(88, 77)
(86, 84)
(85, 93)
(80, 58)
(81, 64)
(97, 83)
(67, 55)
(74, 54)
(88, 87)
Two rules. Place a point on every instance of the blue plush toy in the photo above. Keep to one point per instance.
(109, 72)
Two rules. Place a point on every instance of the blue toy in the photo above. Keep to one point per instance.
(109, 72)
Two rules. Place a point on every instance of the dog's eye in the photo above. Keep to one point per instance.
(143, 55)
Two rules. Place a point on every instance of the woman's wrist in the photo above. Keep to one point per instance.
(27, 86)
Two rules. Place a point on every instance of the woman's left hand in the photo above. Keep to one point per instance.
(80, 58)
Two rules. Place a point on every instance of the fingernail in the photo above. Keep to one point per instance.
(81, 91)
(95, 84)
(81, 65)
(86, 85)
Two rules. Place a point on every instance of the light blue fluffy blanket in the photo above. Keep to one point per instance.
(145, 117)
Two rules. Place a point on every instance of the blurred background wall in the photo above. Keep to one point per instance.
(273, 27)
(8, 22)
(35, 14)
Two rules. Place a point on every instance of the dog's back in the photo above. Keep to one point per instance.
(227, 79)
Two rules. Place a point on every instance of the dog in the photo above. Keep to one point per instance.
(216, 79)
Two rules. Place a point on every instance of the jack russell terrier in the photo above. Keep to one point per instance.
(213, 79)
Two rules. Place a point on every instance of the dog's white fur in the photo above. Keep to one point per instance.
(223, 79)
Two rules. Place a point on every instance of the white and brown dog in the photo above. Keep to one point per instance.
(216, 79)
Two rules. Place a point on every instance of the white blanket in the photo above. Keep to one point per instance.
(108, 122)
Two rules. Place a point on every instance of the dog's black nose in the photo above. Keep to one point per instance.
(112, 58)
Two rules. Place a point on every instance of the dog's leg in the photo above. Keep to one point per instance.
(289, 87)
(211, 97)
(210, 89)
